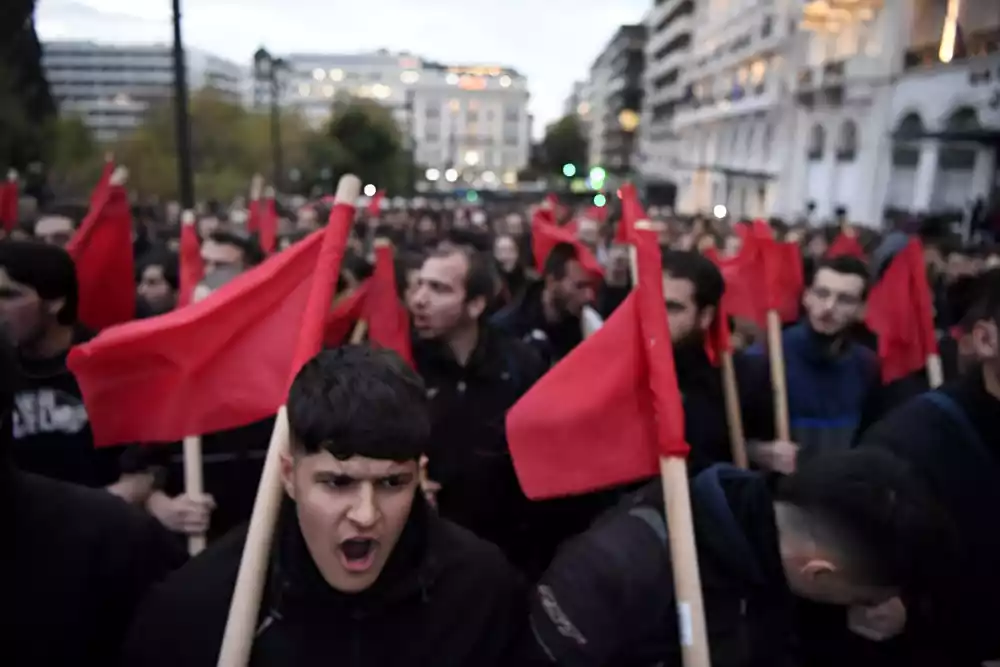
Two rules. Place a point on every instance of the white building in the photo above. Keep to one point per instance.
(669, 26)
(112, 86)
(469, 123)
(831, 108)
(730, 119)
(598, 92)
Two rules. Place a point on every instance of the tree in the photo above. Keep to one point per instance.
(75, 158)
(368, 144)
(564, 143)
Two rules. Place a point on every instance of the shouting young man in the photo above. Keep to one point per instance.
(361, 569)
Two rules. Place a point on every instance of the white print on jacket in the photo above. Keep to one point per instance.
(48, 411)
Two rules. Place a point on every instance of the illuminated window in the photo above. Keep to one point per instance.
(409, 76)
(336, 75)
(454, 106)
(328, 91)
(757, 71)
(381, 91)
(319, 74)
(471, 158)
(949, 34)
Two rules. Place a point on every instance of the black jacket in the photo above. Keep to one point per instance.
(468, 450)
(607, 600)
(525, 319)
(444, 599)
(73, 569)
(706, 424)
(956, 451)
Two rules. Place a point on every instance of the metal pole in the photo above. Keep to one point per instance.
(279, 170)
(182, 138)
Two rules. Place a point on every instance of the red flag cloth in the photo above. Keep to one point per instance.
(764, 275)
(345, 315)
(375, 205)
(718, 340)
(218, 364)
(105, 265)
(268, 226)
(192, 267)
(598, 213)
(598, 418)
(632, 212)
(9, 197)
(846, 245)
(902, 316)
(388, 321)
(545, 235)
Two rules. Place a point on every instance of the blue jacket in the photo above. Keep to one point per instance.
(829, 397)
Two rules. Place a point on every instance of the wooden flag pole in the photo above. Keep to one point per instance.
(359, 332)
(194, 484)
(734, 415)
(692, 630)
(935, 371)
(779, 384)
(241, 624)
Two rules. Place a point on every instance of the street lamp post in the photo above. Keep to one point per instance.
(411, 146)
(182, 121)
(267, 69)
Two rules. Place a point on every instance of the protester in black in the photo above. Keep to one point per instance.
(951, 439)
(847, 528)
(38, 306)
(474, 374)
(692, 289)
(547, 316)
(362, 572)
(75, 562)
(158, 282)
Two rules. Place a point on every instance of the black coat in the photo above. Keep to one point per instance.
(525, 319)
(958, 456)
(73, 569)
(445, 599)
(607, 600)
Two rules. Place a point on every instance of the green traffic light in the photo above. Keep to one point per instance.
(600, 200)
(598, 174)
(569, 170)
(472, 196)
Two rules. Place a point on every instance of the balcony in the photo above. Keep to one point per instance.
(684, 23)
(722, 109)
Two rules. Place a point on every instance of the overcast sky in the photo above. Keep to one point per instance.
(553, 42)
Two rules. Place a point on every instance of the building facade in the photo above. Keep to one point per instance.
(827, 108)
(625, 60)
(111, 87)
(469, 124)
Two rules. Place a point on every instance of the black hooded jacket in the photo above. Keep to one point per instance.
(607, 600)
(444, 599)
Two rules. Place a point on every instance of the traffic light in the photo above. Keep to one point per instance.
(569, 170)
(597, 176)
(600, 200)
(472, 196)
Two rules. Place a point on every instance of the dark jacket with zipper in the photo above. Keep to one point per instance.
(607, 600)
(468, 450)
(444, 599)
(525, 319)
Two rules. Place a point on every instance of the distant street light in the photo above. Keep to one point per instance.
(370, 190)
(432, 174)
(451, 175)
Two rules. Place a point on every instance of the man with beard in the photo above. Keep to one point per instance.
(548, 315)
(361, 567)
(692, 289)
(473, 374)
(833, 382)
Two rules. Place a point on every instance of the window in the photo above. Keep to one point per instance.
(454, 106)
(432, 110)
(512, 114)
(471, 116)
(906, 152)
(817, 141)
(847, 141)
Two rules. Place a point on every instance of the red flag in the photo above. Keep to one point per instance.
(545, 235)
(375, 205)
(846, 245)
(105, 265)
(632, 212)
(902, 316)
(345, 315)
(191, 264)
(764, 275)
(103, 184)
(268, 225)
(604, 414)
(220, 363)
(388, 321)
(718, 339)
(9, 199)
